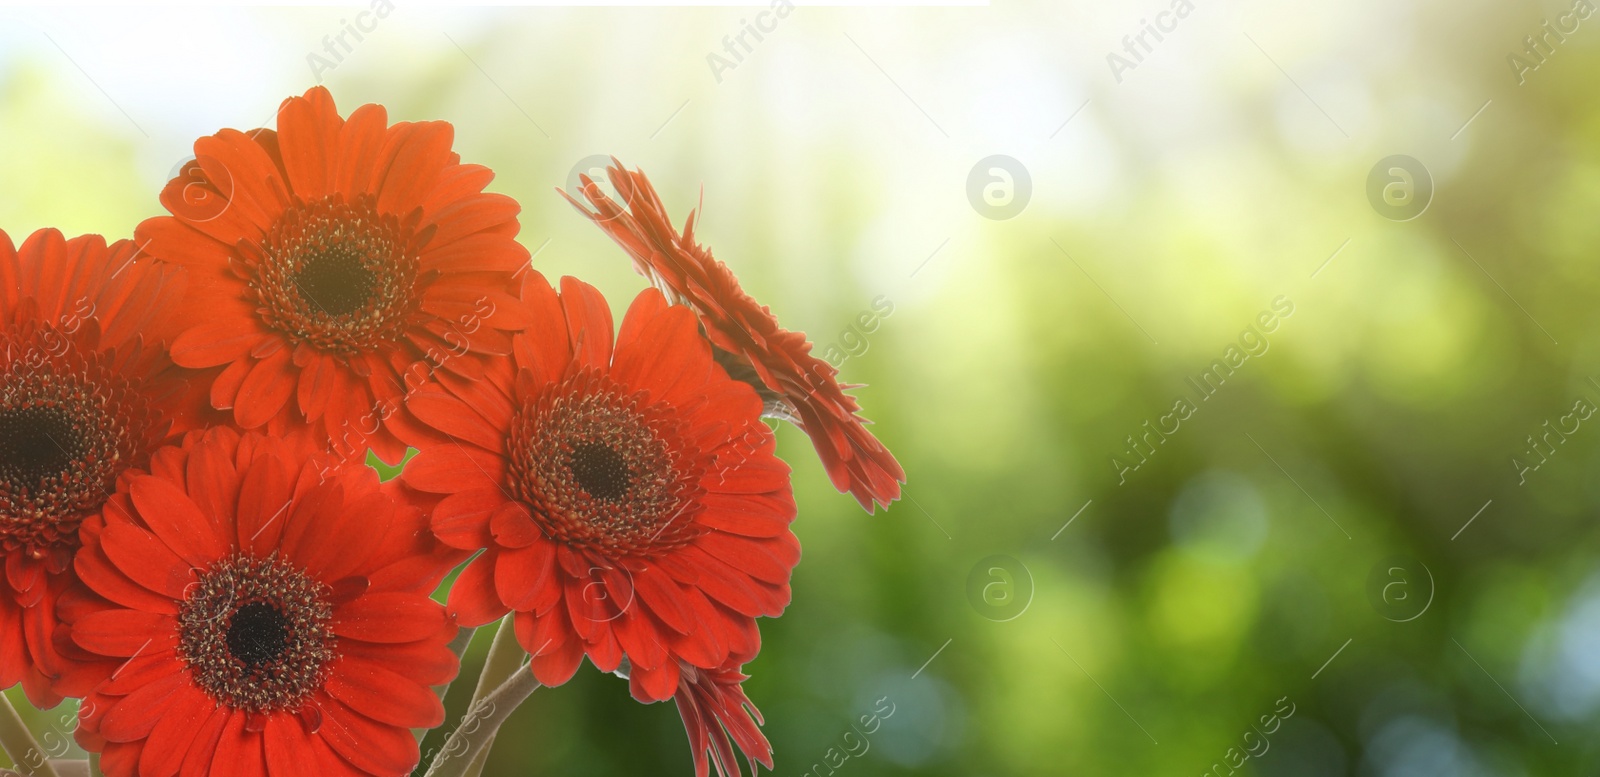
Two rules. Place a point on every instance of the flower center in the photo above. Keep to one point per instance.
(336, 282)
(599, 470)
(257, 634)
(602, 468)
(339, 275)
(70, 423)
(36, 443)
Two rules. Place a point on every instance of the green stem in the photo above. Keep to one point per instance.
(19, 744)
(466, 755)
(504, 659)
(476, 768)
(472, 737)
(94, 765)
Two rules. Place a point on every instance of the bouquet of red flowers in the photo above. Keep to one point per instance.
(195, 547)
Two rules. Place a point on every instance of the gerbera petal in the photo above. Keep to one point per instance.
(479, 213)
(512, 526)
(139, 712)
(461, 520)
(146, 560)
(747, 515)
(653, 685)
(558, 664)
(447, 469)
(523, 575)
(239, 750)
(175, 518)
(197, 762)
(225, 388)
(248, 178)
(316, 385)
(219, 341)
(264, 498)
(360, 141)
(588, 322)
(173, 733)
(120, 757)
(660, 346)
(384, 696)
(703, 645)
(285, 747)
(147, 666)
(473, 599)
(213, 485)
(106, 580)
(308, 128)
(392, 616)
(769, 560)
(727, 585)
(265, 390)
(428, 662)
(664, 598)
(366, 744)
(454, 417)
(417, 154)
(122, 632)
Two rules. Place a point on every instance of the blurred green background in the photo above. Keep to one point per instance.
(1341, 527)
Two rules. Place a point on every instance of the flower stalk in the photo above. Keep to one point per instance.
(471, 739)
(503, 660)
(19, 744)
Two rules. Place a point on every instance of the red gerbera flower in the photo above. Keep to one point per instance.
(334, 264)
(748, 340)
(82, 398)
(715, 708)
(626, 494)
(262, 615)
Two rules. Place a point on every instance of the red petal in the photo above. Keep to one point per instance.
(170, 739)
(664, 598)
(446, 469)
(219, 341)
(384, 696)
(513, 527)
(137, 714)
(372, 747)
(524, 575)
(239, 750)
(308, 134)
(473, 598)
(125, 632)
(147, 561)
(177, 520)
(461, 520)
(265, 390)
(392, 616)
(588, 321)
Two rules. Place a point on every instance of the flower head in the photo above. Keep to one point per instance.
(83, 397)
(625, 492)
(337, 263)
(746, 336)
(254, 610)
(715, 709)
